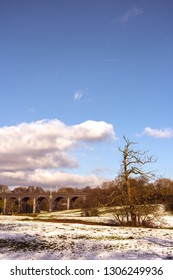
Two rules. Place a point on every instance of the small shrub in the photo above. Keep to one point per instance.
(90, 212)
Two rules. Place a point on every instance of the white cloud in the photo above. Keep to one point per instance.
(129, 15)
(158, 133)
(93, 131)
(78, 95)
(37, 152)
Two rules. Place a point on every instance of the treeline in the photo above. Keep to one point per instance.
(37, 190)
(113, 193)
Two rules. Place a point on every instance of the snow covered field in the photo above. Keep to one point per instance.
(21, 239)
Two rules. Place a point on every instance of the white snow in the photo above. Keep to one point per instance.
(41, 240)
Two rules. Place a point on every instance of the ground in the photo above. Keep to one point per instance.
(61, 238)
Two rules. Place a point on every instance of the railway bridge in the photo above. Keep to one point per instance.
(51, 199)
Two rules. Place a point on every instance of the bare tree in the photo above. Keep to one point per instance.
(135, 207)
(133, 161)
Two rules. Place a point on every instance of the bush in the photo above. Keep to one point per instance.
(90, 212)
(169, 204)
(137, 215)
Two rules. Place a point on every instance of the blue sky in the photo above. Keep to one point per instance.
(77, 75)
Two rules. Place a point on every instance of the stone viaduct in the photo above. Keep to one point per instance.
(52, 199)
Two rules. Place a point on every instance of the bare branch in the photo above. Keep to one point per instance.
(132, 163)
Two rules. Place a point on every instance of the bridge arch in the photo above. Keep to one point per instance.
(59, 203)
(26, 204)
(42, 203)
(75, 199)
(1, 205)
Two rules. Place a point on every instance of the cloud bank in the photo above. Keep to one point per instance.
(158, 133)
(38, 152)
